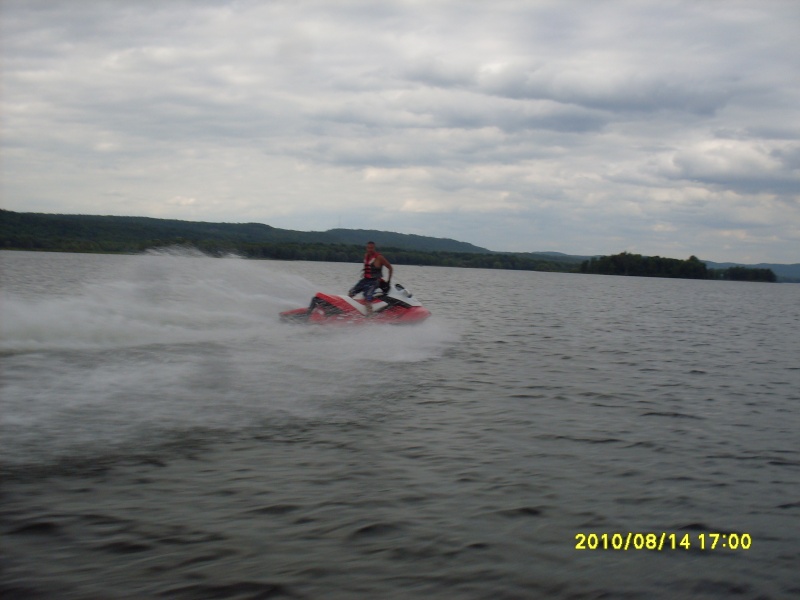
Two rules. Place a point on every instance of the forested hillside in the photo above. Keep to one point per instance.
(111, 234)
(88, 233)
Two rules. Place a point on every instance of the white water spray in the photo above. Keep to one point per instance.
(174, 340)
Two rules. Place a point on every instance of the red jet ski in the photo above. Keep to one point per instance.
(392, 304)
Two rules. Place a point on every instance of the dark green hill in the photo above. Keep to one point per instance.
(91, 233)
(94, 233)
(125, 234)
(387, 239)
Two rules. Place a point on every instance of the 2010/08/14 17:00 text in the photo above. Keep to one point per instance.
(662, 541)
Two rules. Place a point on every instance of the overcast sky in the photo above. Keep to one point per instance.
(586, 127)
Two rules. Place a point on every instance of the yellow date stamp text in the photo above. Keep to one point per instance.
(661, 541)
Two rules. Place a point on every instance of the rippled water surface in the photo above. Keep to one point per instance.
(164, 435)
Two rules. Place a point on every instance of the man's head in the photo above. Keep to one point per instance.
(370, 246)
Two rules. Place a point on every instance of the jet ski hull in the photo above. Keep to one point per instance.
(394, 307)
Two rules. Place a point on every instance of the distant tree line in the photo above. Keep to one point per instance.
(351, 253)
(744, 274)
(636, 265)
(103, 234)
(98, 234)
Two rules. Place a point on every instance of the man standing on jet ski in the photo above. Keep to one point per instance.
(373, 266)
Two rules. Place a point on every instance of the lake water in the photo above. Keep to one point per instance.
(163, 435)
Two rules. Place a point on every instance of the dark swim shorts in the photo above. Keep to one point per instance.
(368, 286)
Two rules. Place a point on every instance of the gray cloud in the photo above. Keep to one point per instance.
(660, 128)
